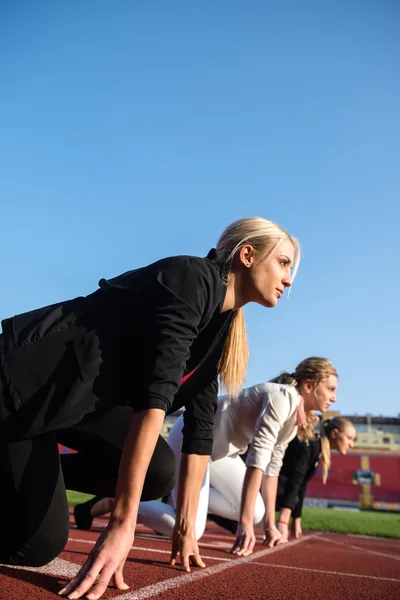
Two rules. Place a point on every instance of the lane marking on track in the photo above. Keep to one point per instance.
(330, 540)
(213, 541)
(58, 567)
(364, 537)
(151, 550)
(156, 589)
(166, 540)
(221, 536)
(323, 572)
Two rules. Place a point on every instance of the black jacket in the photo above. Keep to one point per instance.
(130, 342)
(299, 466)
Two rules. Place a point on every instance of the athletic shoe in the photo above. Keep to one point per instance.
(83, 518)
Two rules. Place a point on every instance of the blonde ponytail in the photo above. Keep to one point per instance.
(235, 354)
(325, 458)
(307, 432)
(327, 427)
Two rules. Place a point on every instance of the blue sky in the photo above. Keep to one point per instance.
(135, 130)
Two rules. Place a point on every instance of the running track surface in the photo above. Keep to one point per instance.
(318, 567)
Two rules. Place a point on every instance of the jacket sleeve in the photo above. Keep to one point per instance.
(275, 411)
(184, 294)
(297, 511)
(302, 492)
(297, 478)
(278, 453)
(199, 420)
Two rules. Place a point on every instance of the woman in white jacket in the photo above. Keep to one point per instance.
(266, 416)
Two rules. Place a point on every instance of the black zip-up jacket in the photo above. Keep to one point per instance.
(130, 342)
(299, 466)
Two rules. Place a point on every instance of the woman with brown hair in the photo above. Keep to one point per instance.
(312, 386)
(300, 463)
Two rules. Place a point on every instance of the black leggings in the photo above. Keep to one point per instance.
(34, 516)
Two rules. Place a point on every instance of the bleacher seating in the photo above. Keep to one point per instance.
(341, 484)
(388, 469)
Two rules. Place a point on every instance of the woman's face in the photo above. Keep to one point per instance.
(265, 278)
(343, 440)
(319, 397)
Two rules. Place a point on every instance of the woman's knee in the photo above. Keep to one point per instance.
(259, 510)
(38, 551)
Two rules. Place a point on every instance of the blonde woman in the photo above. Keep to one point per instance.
(154, 339)
(266, 416)
(300, 465)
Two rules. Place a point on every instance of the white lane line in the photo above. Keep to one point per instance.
(58, 567)
(220, 536)
(362, 536)
(202, 544)
(323, 572)
(166, 540)
(156, 589)
(330, 540)
(152, 550)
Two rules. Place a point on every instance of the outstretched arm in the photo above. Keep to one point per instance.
(297, 458)
(245, 537)
(191, 475)
(296, 514)
(108, 556)
(268, 491)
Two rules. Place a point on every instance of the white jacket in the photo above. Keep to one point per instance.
(264, 416)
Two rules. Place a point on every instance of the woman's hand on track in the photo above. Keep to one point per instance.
(284, 531)
(245, 540)
(105, 562)
(272, 537)
(296, 529)
(186, 545)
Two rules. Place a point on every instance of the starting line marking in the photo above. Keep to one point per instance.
(167, 540)
(60, 567)
(150, 549)
(360, 549)
(155, 589)
(66, 569)
(323, 572)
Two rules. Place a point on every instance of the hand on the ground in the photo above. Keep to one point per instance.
(296, 530)
(104, 562)
(245, 540)
(284, 531)
(186, 545)
(272, 537)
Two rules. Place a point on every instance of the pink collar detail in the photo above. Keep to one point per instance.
(301, 415)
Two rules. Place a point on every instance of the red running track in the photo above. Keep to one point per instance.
(317, 567)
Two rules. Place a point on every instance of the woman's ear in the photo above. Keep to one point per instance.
(246, 255)
(333, 434)
(308, 385)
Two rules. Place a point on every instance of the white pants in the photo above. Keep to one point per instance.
(223, 498)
